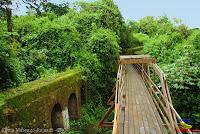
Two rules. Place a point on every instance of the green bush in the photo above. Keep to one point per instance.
(11, 70)
(91, 114)
(93, 67)
(184, 81)
(177, 52)
(47, 48)
(104, 43)
(102, 13)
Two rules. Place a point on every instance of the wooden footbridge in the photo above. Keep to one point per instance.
(141, 100)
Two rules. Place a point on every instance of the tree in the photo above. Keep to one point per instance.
(58, 9)
(105, 44)
(102, 13)
(35, 5)
(9, 16)
(41, 6)
(6, 11)
(2, 8)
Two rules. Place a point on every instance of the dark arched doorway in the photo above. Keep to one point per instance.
(73, 109)
(57, 118)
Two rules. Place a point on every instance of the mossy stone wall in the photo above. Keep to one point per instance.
(30, 105)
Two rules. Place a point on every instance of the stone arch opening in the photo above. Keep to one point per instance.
(73, 107)
(57, 117)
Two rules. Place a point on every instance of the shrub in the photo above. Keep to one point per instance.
(11, 70)
(53, 44)
(104, 43)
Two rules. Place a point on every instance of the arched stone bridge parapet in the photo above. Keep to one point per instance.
(45, 103)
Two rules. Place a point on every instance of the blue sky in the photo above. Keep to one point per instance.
(187, 10)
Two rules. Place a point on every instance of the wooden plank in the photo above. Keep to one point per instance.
(126, 130)
(167, 105)
(130, 104)
(138, 89)
(151, 91)
(156, 122)
(134, 59)
(133, 118)
(154, 125)
(148, 106)
(135, 108)
(161, 104)
(139, 101)
(107, 125)
(170, 101)
(134, 56)
(145, 112)
(115, 125)
(166, 110)
(157, 117)
(122, 102)
(111, 99)
(121, 120)
(106, 115)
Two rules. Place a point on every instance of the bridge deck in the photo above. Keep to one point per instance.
(140, 116)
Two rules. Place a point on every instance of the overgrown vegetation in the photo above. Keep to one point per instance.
(86, 36)
(91, 35)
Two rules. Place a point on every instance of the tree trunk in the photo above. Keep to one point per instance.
(9, 16)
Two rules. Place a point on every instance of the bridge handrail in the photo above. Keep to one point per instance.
(169, 100)
(170, 115)
(173, 111)
(165, 112)
(119, 94)
(164, 101)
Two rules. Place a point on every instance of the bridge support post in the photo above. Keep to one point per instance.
(65, 115)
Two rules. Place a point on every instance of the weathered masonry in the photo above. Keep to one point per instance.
(44, 103)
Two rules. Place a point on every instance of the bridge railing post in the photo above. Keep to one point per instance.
(119, 97)
(171, 115)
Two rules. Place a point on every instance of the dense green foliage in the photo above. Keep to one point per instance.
(11, 73)
(176, 49)
(91, 113)
(91, 36)
(87, 36)
(51, 43)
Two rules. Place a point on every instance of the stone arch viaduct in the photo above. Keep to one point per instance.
(42, 105)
